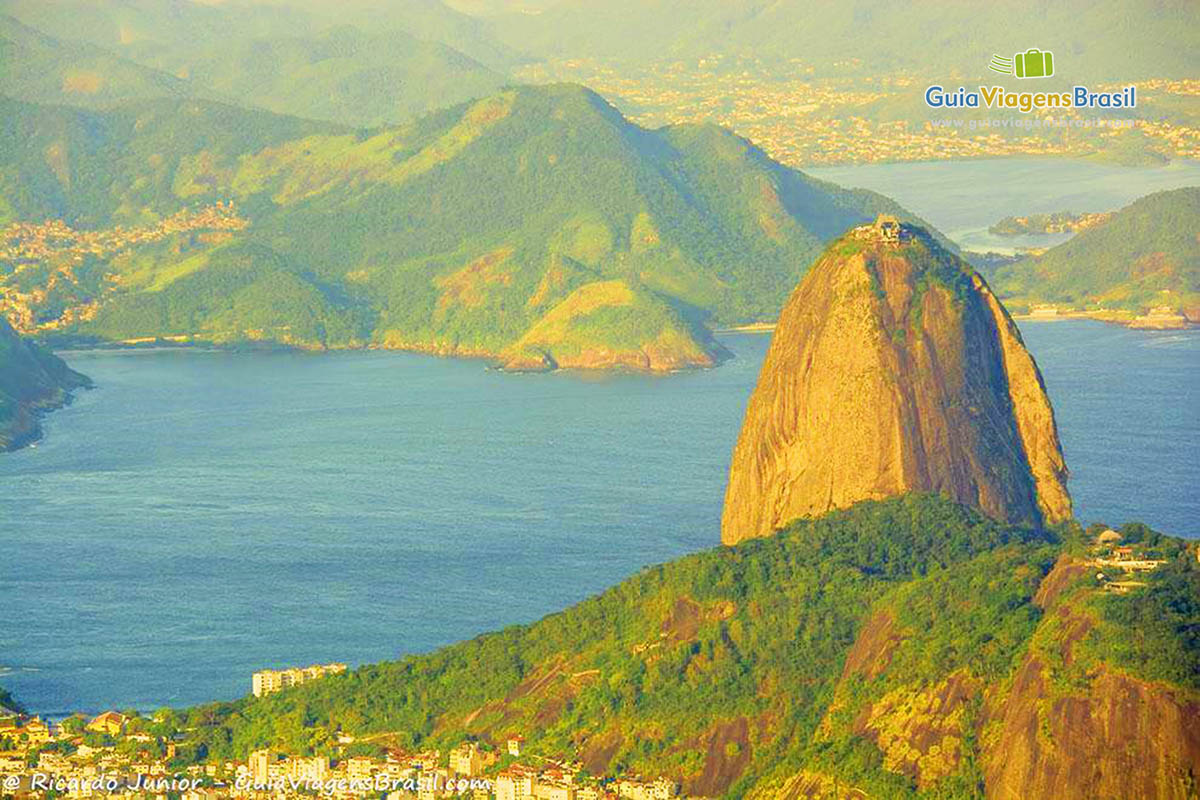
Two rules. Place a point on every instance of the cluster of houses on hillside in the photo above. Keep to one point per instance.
(1116, 563)
(28, 242)
(47, 280)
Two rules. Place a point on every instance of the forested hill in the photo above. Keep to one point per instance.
(131, 165)
(906, 647)
(1144, 256)
(536, 226)
(32, 381)
(344, 74)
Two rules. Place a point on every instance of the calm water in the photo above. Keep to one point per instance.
(202, 515)
(963, 198)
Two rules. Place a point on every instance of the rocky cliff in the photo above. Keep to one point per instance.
(894, 369)
(1064, 714)
(32, 381)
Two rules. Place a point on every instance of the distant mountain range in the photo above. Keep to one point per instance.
(1144, 256)
(1093, 40)
(154, 30)
(366, 63)
(40, 68)
(343, 73)
(536, 226)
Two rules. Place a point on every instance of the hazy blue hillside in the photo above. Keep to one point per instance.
(40, 68)
(150, 29)
(1093, 40)
(354, 63)
(344, 75)
(32, 381)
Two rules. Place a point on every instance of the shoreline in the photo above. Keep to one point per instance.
(491, 360)
(753, 327)
(1121, 319)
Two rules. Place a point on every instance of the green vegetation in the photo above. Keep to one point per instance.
(236, 292)
(1144, 256)
(146, 30)
(843, 647)
(610, 315)
(725, 630)
(493, 228)
(343, 75)
(31, 381)
(7, 701)
(133, 165)
(1153, 633)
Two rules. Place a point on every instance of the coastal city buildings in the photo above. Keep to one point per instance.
(114, 755)
(273, 680)
(110, 722)
(470, 760)
(72, 267)
(807, 115)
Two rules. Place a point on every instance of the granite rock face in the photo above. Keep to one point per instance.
(894, 369)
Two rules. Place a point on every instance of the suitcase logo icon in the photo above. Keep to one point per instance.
(1033, 63)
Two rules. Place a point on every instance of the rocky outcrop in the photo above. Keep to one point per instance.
(32, 381)
(894, 369)
(1121, 737)
(921, 731)
(1073, 719)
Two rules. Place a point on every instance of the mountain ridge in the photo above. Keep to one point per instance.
(1102, 41)
(39, 68)
(535, 226)
(362, 64)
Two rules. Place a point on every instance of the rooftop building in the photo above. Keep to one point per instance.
(267, 681)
